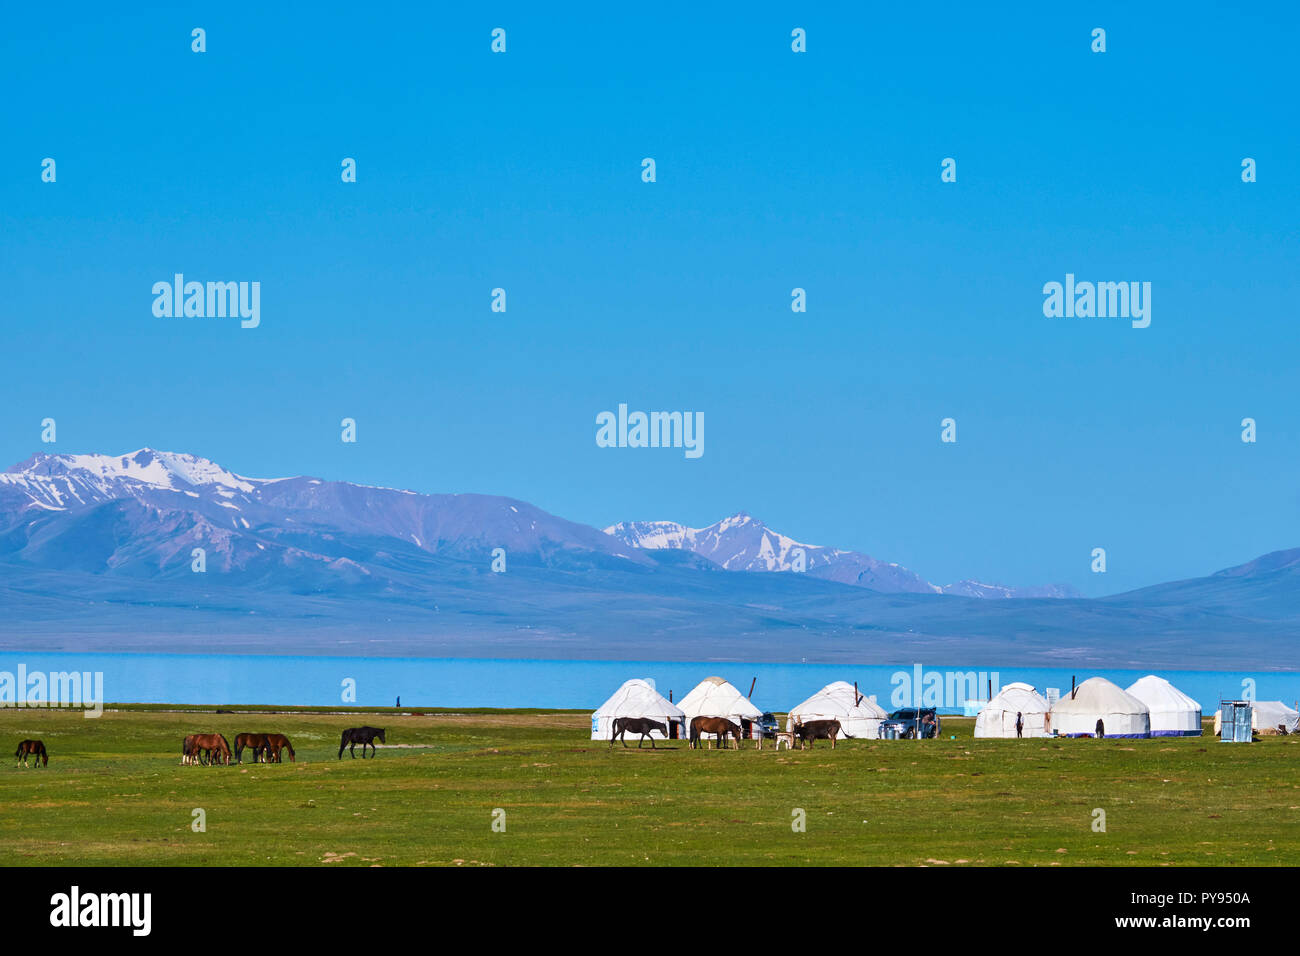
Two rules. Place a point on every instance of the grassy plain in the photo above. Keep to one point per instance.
(115, 793)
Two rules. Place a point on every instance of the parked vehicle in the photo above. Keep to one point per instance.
(905, 723)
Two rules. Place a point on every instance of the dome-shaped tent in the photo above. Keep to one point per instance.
(636, 698)
(1173, 713)
(997, 718)
(1096, 699)
(858, 716)
(715, 697)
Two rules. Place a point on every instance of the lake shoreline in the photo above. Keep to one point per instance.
(357, 683)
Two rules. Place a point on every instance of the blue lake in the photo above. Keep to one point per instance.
(471, 682)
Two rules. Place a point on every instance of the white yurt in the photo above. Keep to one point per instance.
(1076, 715)
(1268, 715)
(637, 698)
(715, 697)
(1173, 713)
(858, 715)
(1265, 717)
(997, 718)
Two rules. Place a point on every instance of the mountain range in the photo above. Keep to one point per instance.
(742, 543)
(99, 552)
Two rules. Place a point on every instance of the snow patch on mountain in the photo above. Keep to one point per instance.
(158, 469)
(980, 589)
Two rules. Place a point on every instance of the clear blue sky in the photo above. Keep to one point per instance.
(775, 170)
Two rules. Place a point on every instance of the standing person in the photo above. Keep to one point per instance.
(1020, 724)
(1101, 728)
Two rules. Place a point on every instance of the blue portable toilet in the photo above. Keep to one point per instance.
(1235, 719)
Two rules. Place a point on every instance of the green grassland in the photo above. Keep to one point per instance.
(115, 794)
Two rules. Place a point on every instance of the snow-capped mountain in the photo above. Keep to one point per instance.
(143, 513)
(743, 543)
(63, 482)
(738, 543)
(980, 589)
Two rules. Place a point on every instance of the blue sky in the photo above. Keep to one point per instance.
(775, 170)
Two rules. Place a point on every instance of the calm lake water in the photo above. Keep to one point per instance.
(470, 682)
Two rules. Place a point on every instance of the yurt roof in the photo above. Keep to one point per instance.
(832, 699)
(636, 698)
(715, 697)
(1020, 697)
(1274, 711)
(1158, 694)
(1097, 695)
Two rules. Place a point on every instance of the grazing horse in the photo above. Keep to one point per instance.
(714, 725)
(360, 735)
(255, 741)
(637, 725)
(214, 745)
(277, 742)
(819, 730)
(32, 748)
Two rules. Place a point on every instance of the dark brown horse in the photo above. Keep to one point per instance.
(363, 736)
(215, 746)
(720, 726)
(637, 725)
(32, 748)
(819, 730)
(256, 741)
(278, 742)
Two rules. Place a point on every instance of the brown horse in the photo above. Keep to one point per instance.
(256, 741)
(637, 725)
(819, 730)
(189, 753)
(277, 742)
(215, 746)
(714, 725)
(32, 748)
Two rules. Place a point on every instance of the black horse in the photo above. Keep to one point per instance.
(363, 736)
(637, 725)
